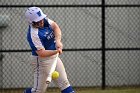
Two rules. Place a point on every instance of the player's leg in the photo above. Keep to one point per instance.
(40, 76)
(63, 81)
(41, 72)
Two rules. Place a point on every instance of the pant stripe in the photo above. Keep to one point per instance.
(37, 75)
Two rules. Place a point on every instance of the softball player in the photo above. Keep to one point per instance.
(44, 37)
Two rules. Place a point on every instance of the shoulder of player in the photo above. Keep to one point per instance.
(50, 21)
(34, 31)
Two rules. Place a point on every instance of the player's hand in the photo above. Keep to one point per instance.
(59, 45)
(59, 51)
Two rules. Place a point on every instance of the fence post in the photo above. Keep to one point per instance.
(103, 45)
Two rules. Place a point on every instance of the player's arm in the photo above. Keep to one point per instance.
(46, 53)
(57, 31)
(58, 35)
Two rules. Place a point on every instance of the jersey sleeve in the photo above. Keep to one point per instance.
(37, 44)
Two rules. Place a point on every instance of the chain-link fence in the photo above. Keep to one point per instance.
(82, 28)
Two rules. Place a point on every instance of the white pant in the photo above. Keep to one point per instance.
(41, 67)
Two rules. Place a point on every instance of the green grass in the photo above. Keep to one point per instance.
(113, 90)
(88, 90)
(110, 91)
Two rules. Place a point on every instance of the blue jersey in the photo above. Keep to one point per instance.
(40, 38)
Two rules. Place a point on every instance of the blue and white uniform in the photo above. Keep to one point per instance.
(40, 38)
(44, 38)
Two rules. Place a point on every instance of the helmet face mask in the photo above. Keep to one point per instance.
(34, 14)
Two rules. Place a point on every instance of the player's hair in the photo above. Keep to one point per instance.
(35, 24)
